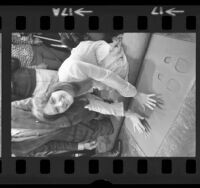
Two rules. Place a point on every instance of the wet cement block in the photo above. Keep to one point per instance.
(168, 69)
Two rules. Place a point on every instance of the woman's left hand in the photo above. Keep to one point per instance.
(146, 100)
(136, 121)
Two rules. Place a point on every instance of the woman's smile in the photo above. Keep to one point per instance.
(58, 102)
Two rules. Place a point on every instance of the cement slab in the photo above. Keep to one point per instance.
(168, 69)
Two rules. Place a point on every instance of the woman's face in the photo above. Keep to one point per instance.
(58, 103)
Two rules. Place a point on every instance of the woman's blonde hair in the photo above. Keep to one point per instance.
(40, 101)
(38, 104)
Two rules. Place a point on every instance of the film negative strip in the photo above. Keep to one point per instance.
(99, 93)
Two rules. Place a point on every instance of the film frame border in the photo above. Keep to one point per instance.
(120, 170)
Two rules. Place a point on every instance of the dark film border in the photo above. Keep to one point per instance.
(138, 167)
(117, 23)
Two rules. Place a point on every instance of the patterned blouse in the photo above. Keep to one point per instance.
(21, 48)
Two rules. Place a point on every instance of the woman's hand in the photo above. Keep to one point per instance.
(146, 100)
(136, 121)
(87, 145)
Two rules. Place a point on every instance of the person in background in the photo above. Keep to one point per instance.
(28, 82)
(32, 53)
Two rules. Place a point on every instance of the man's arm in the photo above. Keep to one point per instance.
(108, 78)
(97, 105)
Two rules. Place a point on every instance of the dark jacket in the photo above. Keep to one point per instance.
(23, 83)
(67, 140)
(81, 125)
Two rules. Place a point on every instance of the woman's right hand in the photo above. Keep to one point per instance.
(135, 119)
(146, 100)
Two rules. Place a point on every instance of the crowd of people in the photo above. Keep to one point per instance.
(65, 87)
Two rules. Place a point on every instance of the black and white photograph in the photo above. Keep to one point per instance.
(103, 94)
(0, 92)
